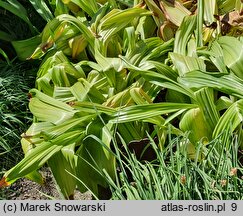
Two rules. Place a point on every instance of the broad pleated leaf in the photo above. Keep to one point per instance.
(143, 112)
(231, 49)
(184, 34)
(229, 84)
(205, 99)
(194, 122)
(39, 156)
(231, 119)
(185, 64)
(62, 164)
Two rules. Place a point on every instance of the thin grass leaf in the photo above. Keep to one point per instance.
(5, 56)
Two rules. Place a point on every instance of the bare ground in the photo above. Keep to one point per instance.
(25, 189)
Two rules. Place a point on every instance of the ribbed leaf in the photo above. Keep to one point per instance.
(143, 112)
(121, 18)
(63, 94)
(94, 156)
(69, 125)
(184, 34)
(89, 6)
(174, 10)
(78, 23)
(40, 155)
(158, 15)
(232, 51)
(199, 29)
(205, 99)
(226, 5)
(55, 111)
(92, 108)
(229, 84)
(163, 81)
(62, 164)
(185, 64)
(32, 137)
(84, 91)
(194, 122)
(231, 119)
(210, 9)
(25, 48)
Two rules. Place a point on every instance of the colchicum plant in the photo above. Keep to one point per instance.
(114, 71)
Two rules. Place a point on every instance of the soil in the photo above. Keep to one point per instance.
(25, 189)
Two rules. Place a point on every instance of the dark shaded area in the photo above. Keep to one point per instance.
(18, 29)
(15, 117)
(143, 149)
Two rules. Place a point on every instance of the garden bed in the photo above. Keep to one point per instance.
(25, 189)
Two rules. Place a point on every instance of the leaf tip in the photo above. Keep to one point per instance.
(4, 183)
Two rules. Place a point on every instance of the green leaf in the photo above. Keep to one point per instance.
(84, 91)
(78, 23)
(174, 10)
(205, 99)
(200, 20)
(40, 155)
(143, 112)
(36, 176)
(229, 84)
(5, 36)
(89, 6)
(92, 108)
(184, 34)
(121, 18)
(55, 111)
(232, 51)
(94, 156)
(163, 81)
(32, 137)
(17, 9)
(209, 9)
(194, 122)
(226, 6)
(62, 164)
(5, 56)
(25, 48)
(185, 64)
(41, 7)
(231, 119)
